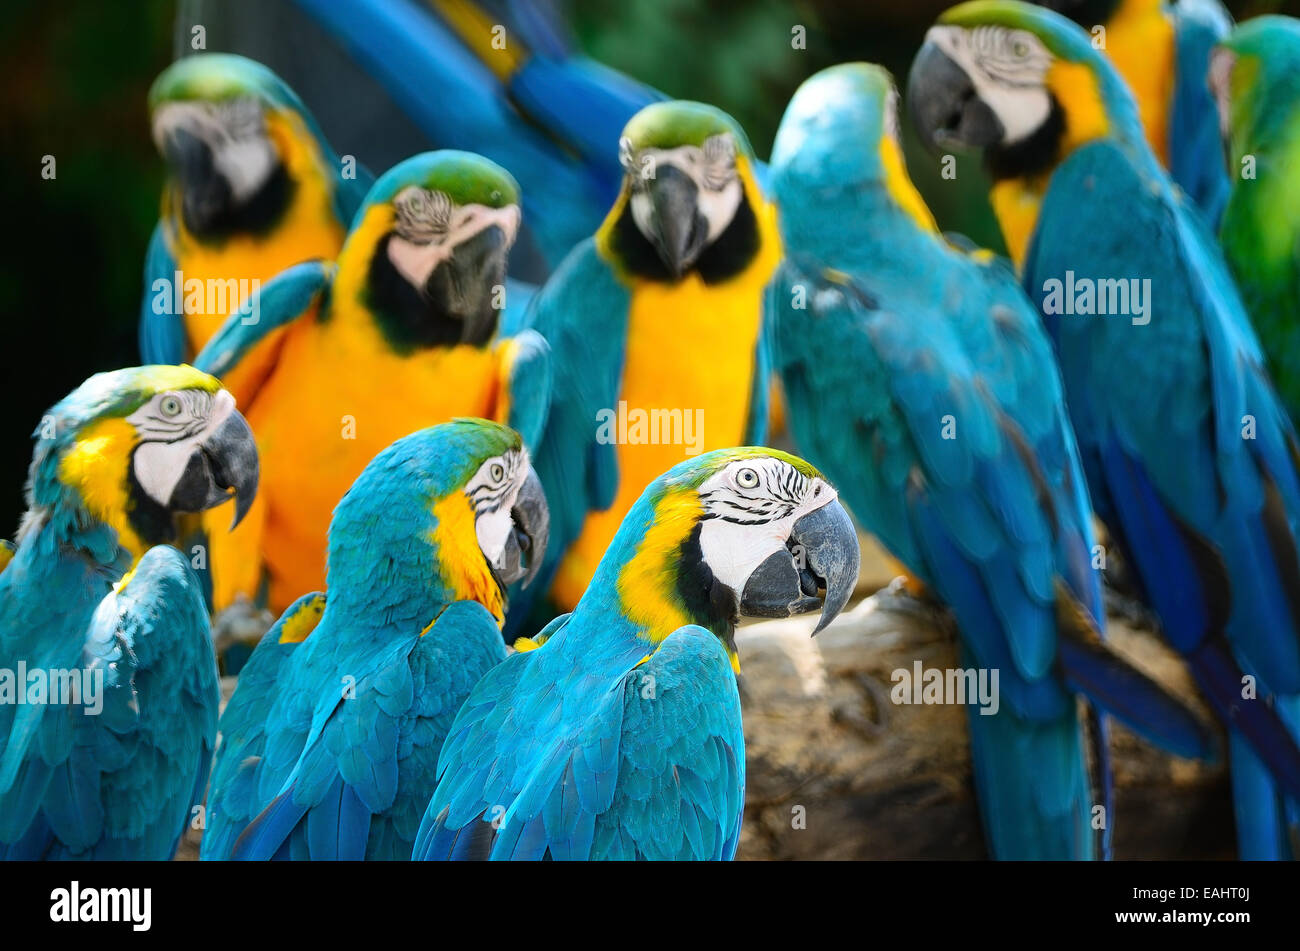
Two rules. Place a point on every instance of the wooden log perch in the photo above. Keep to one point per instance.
(836, 770)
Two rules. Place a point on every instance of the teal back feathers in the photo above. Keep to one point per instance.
(306, 771)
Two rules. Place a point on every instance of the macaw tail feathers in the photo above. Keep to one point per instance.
(270, 830)
(335, 829)
(1263, 751)
(1032, 783)
(472, 842)
(1266, 820)
(1092, 668)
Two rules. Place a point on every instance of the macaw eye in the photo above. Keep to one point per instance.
(170, 406)
(1020, 48)
(498, 472)
(747, 478)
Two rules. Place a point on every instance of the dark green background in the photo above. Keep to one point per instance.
(75, 77)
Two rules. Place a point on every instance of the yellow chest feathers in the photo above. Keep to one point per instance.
(691, 344)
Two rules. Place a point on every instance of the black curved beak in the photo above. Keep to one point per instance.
(225, 464)
(462, 286)
(205, 194)
(944, 106)
(679, 230)
(526, 546)
(821, 553)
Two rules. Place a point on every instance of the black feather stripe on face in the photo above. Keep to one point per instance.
(258, 215)
(780, 496)
(405, 315)
(148, 518)
(709, 603)
(729, 255)
(1034, 155)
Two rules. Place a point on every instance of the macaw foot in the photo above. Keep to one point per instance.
(1129, 610)
(236, 632)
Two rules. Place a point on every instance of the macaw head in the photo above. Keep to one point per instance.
(840, 135)
(236, 141)
(133, 448)
(1019, 83)
(689, 201)
(456, 510)
(429, 247)
(748, 532)
(1255, 78)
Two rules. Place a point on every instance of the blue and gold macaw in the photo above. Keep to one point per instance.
(522, 96)
(658, 314)
(399, 334)
(918, 374)
(1256, 76)
(1192, 462)
(107, 621)
(252, 188)
(1162, 50)
(616, 732)
(330, 742)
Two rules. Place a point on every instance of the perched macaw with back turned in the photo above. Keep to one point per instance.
(659, 313)
(253, 188)
(1162, 50)
(1190, 457)
(401, 333)
(330, 742)
(886, 335)
(619, 735)
(96, 601)
(1256, 76)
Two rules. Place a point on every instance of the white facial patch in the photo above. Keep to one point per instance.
(171, 426)
(1008, 69)
(235, 131)
(754, 504)
(492, 492)
(712, 168)
(430, 226)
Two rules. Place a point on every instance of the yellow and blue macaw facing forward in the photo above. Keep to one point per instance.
(619, 736)
(1191, 459)
(659, 313)
(96, 600)
(400, 334)
(252, 188)
(920, 376)
(421, 549)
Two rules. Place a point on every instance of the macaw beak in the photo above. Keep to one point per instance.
(678, 230)
(821, 553)
(204, 193)
(944, 106)
(462, 286)
(223, 465)
(526, 545)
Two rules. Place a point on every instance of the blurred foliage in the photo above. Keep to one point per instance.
(77, 73)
